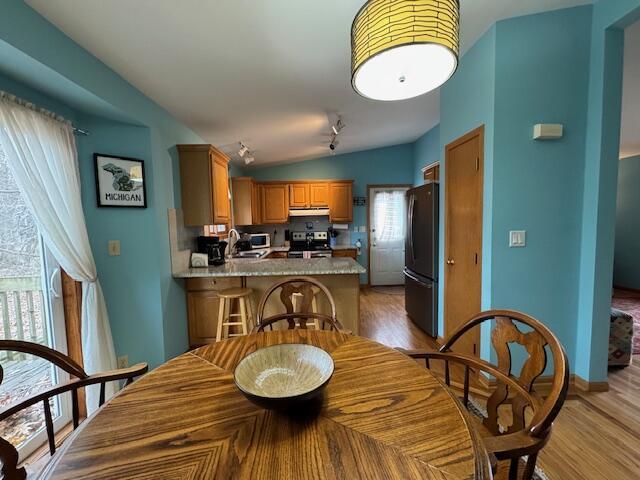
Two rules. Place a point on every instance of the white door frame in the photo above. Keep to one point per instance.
(56, 331)
(370, 187)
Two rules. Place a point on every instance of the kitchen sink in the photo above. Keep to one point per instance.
(251, 254)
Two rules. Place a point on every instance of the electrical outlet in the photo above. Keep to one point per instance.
(123, 361)
(114, 248)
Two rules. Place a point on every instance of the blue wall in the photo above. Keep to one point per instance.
(626, 270)
(390, 165)
(467, 102)
(535, 185)
(600, 183)
(28, 44)
(528, 185)
(426, 150)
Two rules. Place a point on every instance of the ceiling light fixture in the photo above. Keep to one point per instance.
(404, 48)
(338, 126)
(243, 149)
(249, 160)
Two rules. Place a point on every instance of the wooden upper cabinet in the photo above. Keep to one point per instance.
(204, 178)
(256, 203)
(220, 180)
(245, 201)
(275, 203)
(299, 195)
(319, 194)
(341, 201)
(432, 173)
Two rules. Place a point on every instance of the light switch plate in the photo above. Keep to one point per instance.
(517, 238)
(114, 248)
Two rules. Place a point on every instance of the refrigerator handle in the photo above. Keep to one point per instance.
(412, 202)
(417, 280)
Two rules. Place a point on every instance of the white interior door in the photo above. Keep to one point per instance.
(387, 230)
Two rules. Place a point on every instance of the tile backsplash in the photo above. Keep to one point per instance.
(300, 224)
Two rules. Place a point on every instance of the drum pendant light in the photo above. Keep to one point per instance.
(403, 48)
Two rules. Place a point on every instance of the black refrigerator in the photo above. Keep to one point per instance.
(421, 257)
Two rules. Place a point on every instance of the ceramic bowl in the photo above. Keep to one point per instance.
(282, 376)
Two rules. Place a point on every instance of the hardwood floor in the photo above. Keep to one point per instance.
(596, 435)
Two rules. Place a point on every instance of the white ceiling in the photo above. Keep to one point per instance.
(630, 132)
(271, 73)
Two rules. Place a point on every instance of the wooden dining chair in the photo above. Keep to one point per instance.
(304, 289)
(527, 434)
(8, 453)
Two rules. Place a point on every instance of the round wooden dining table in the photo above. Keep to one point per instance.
(382, 416)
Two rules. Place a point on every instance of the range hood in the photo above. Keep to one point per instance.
(309, 212)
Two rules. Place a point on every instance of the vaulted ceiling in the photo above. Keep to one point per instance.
(271, 73)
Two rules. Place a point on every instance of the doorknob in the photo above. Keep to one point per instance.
(451, 261)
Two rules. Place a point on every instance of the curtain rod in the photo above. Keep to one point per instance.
(24, 103)
(79, 131)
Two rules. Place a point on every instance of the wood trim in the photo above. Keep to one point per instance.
(477, 132)
(306, 180)
(72, 304)
(587, 386)
(369, 187)
(430, 165)
(627, 289)
(543, 384)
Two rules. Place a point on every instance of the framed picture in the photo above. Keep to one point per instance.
(120, 181)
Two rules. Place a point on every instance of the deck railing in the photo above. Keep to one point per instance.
(22, 312)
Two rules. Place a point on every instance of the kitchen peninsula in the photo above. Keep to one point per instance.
(339, 275)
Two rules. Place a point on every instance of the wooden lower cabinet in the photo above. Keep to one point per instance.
(277, 255)
(202, 307)
(346, 253)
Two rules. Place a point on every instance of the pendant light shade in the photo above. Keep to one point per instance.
(403, 48)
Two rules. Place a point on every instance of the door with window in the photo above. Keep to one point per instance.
(31, 309)
(387, 224)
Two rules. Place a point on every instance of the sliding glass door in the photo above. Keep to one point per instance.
(30, 309)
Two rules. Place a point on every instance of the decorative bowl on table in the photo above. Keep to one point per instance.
(284, 376)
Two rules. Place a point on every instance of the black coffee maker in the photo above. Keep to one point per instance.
(214, 248)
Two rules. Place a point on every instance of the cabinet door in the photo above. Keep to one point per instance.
(202, 311)
(275, 203)
(299, 195)
(319, 195)
(347, 252)
(340, 202)
(256, 202)
(220, 180)
(242, 195)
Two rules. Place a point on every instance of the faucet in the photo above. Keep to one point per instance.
(232, 246)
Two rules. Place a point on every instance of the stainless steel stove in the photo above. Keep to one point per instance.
(309, 245)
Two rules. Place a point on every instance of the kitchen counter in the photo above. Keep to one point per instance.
(267, 267)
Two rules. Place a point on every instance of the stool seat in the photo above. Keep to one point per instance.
(236, 292)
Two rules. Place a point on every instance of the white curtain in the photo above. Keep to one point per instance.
(41, 153)
(389, 221)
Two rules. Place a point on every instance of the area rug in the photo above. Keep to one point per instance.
(629, 302)
(476, 409)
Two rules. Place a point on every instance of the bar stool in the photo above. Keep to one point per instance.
(243, 296)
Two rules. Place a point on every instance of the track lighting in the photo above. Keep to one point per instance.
(243, 149)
